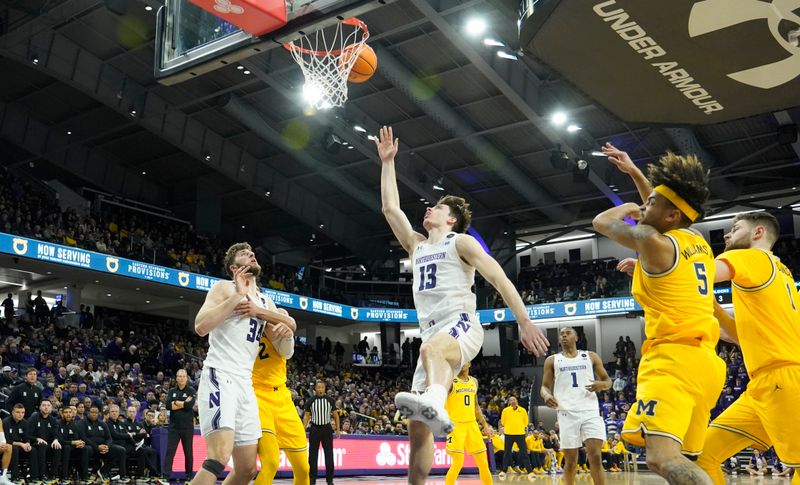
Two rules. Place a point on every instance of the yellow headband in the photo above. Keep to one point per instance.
(678, 201)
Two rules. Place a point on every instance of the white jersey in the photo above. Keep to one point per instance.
(233, 345)
(442, 281)
(571, 378)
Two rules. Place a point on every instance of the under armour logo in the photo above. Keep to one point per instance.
(385, 455)
(225, 6)
(778, 388)
(713, 15)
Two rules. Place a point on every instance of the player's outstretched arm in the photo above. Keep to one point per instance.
(390, 197)
(656, 251)
(602, 380)
(221, 301)
(530, 335)
(625, 165)
(548, 378)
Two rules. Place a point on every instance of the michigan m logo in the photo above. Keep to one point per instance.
(648, 408)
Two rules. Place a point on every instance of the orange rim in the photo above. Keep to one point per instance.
(291, 46)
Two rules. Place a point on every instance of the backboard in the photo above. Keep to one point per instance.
(191, 41)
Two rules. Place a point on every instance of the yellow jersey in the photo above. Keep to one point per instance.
(534, 444)
(498, 443)
(269, 368)
(514, 421)
(460, 404)
(679, 302)
(765, 305)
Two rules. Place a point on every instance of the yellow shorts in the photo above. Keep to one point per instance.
(465, 437)
(766, 412)
(278, 416)
(677, 386)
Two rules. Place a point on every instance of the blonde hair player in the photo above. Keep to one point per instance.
(233, 316)
(767, 327)
(444, 265)
(673, 283)
(462, 407)
(281, 428)
(570, 382)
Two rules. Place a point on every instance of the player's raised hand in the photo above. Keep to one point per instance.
(241, 278)
(387, 144)
(627, 265)
(533, 338)
(277, 331)
(618, 158)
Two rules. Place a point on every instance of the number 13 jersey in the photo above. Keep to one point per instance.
(679, 302)
(442, 281)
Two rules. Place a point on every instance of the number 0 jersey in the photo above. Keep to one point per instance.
(460, 404)
(233, 345)
(572, 375)
(765, 305)
(679, 302)
(442, 281)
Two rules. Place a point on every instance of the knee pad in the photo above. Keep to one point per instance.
(214, 467)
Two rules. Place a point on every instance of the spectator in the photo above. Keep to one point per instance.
(29, 394)
(40, 309)
(8, 309)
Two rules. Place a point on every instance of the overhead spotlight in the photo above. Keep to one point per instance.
(267, 193)
(350, 147)
(559, 160)
(108, 294)
(422, 199)
(506, 55)
(559, 118)
(132, 110)
(322, 226)
(312, 93)
(475, 26)
(35, 59)
(246, 72)
(240, 67)
(439, 184)
(69, 132)
(573, 128)
(492, 43)
(144, 172)
(372, 137)
(207, 156)
(598, 154)
(147, 301)
(148, 8)
(359, 129)
(580, 171)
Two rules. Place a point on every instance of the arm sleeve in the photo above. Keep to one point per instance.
(750, 268)
(285, 347)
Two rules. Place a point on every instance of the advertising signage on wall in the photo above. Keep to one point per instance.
(90, 260)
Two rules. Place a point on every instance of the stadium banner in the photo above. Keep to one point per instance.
(91, 260)
(352, 455)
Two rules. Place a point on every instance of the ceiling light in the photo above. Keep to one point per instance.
(49, 272)
(372, 137)
(505, 233)
(144, 173)
(729, 215)
(69, 132)
(65, 287)
(322, 226)
(439, 184)
(359, 129)
(246, 72)
(132, 110)
(137, 289)
(108, 294)
(475, 26)
(148, 8)
(97, 281)
(597, 154)
(240, 67)
(35, 59)
(267, 193)
(242, 226)
(350, 147)
(573, 128)
(181, 297)
(147, 301)
(492, 43)
(422, 199)
(506, 55)
(207, 157)
(559, 118)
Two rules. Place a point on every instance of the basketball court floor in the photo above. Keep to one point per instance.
(643, 478)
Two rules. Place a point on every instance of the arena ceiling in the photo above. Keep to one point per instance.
(79, 102)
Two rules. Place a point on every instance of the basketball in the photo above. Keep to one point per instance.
(365, 65)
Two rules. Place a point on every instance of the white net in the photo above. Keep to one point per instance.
(326, 58)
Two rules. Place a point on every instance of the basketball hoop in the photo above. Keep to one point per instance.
(326, 61)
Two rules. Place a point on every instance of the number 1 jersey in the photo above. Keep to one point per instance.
(572, 375)
(679, 302)
(442, 282)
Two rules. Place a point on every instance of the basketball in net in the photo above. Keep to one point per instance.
(327, 58)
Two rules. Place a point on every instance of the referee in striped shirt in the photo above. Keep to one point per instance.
(319, 410)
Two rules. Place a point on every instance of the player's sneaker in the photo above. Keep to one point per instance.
(420, 407)
(517, 469)
(4, 480)
(501, 476)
